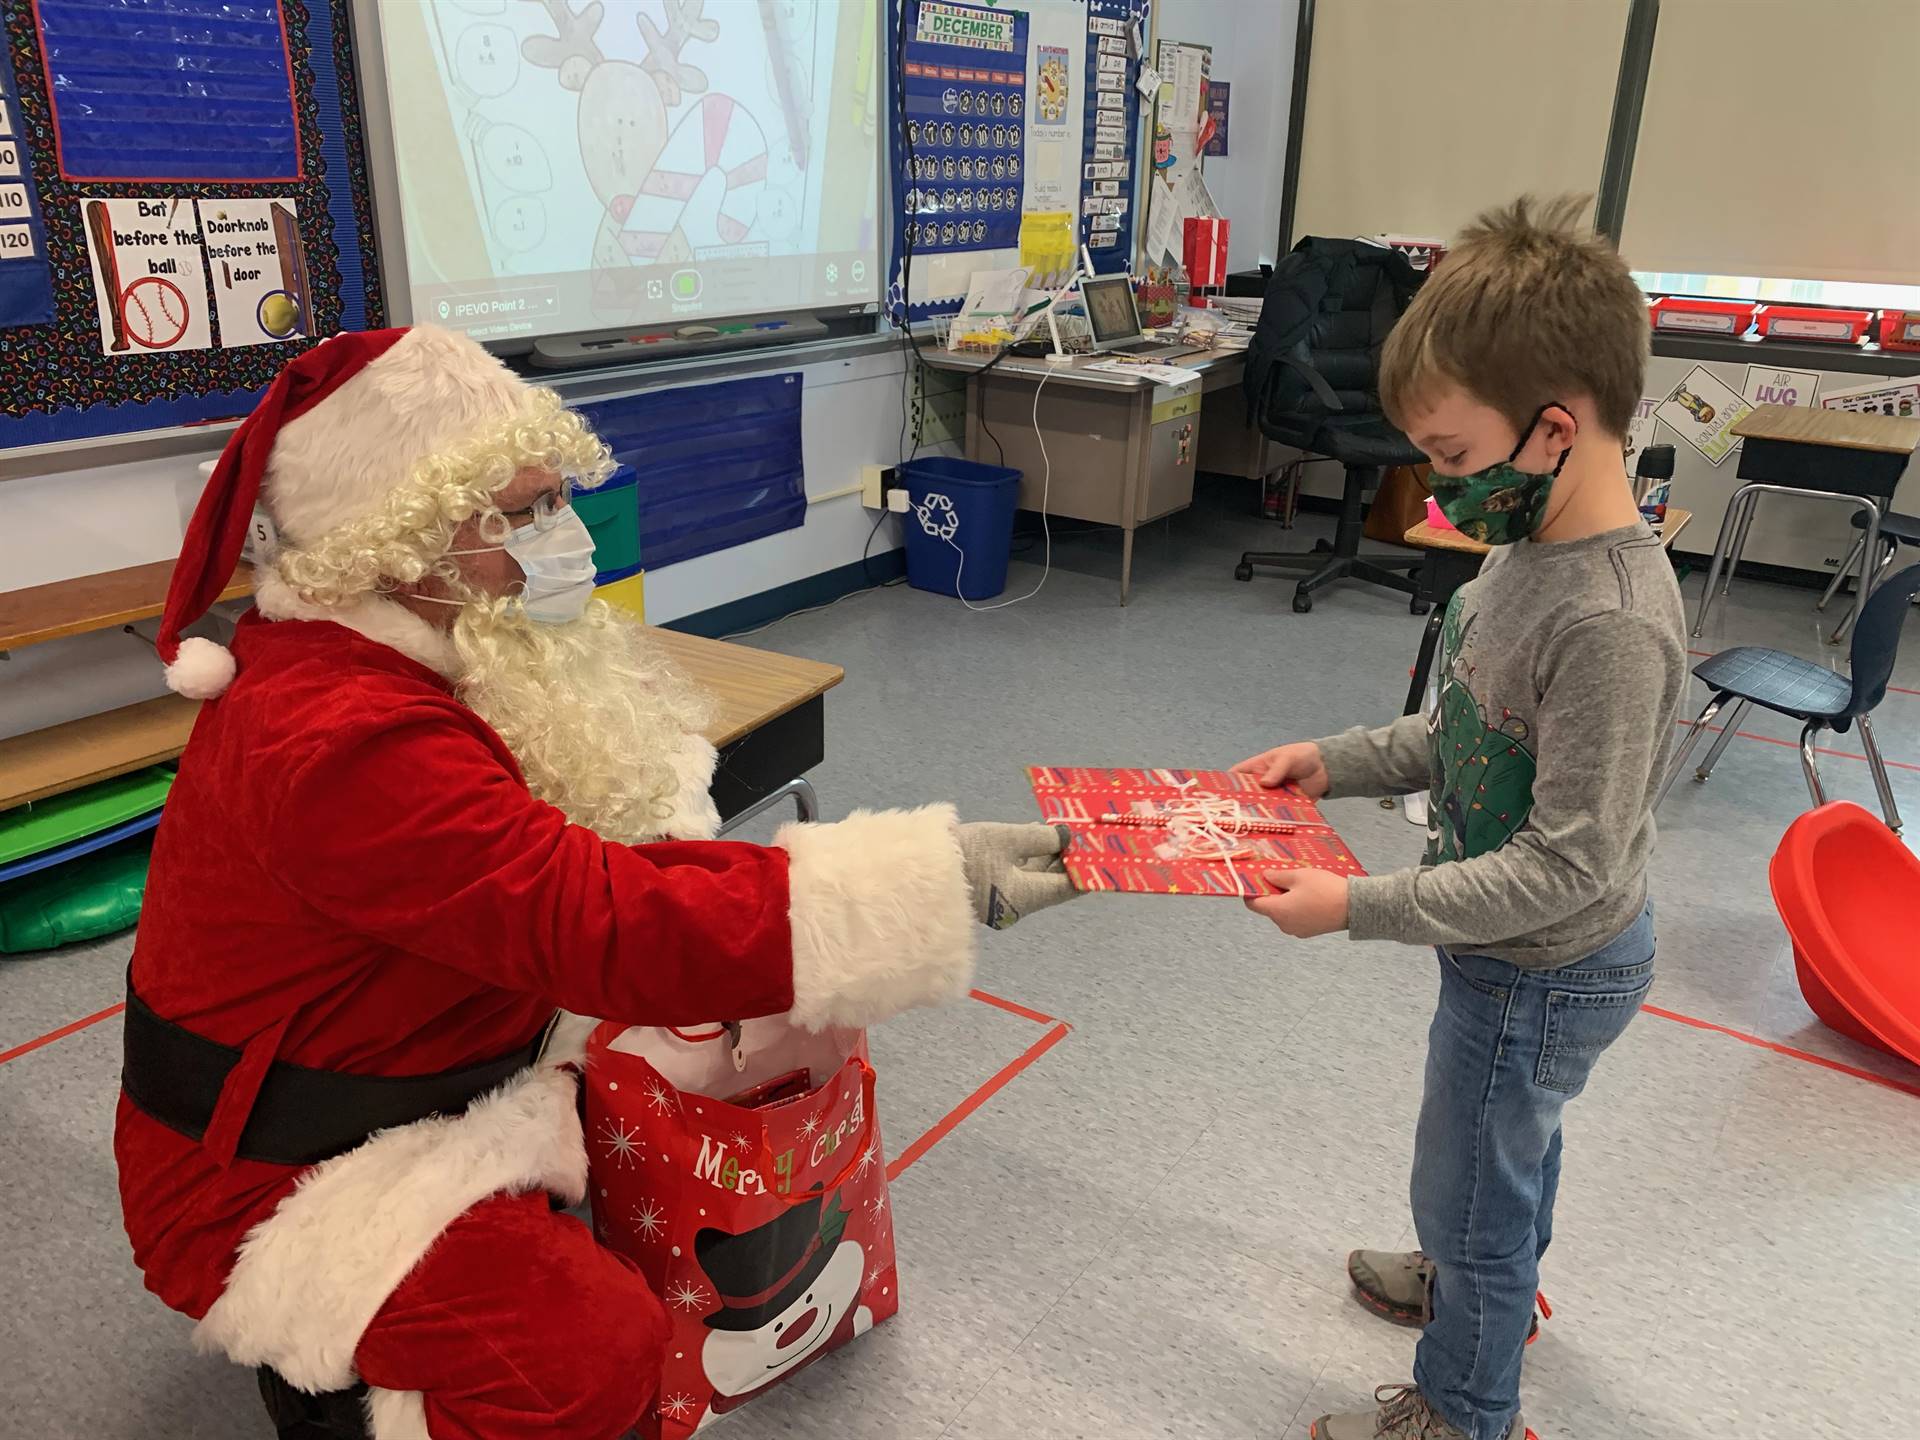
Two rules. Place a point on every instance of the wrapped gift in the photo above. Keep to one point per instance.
(1205, 251)
(741, 1169)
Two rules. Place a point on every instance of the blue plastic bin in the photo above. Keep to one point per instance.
(960, 529)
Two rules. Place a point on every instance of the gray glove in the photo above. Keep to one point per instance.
(1015, 870)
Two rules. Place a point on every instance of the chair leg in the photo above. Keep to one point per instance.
(1722, 740)
(1881, 783)
(1840, 575)
(1807, 767)
(1888, 549)
(1686, 746)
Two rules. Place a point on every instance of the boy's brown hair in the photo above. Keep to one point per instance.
(1525, 310)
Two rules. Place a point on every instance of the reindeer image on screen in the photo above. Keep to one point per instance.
(789, 1292)
(646, 170)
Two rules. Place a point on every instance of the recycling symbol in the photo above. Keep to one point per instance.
(937, 517)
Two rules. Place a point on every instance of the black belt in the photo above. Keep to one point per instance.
(300, 1116)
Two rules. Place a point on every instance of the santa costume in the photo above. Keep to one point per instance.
(343, 1108)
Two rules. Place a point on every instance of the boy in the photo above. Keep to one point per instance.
(1516, 369)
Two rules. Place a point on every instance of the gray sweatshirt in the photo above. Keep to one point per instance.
(1560, 671)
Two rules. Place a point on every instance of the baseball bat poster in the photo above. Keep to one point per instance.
(149, 275)
(258, 268)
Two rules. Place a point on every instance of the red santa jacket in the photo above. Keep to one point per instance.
(351, 875)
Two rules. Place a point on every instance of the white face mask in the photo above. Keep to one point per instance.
(558, 563)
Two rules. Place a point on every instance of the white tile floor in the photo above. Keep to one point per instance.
(1143, 1233)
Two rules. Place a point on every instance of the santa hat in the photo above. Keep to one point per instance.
(342, 425)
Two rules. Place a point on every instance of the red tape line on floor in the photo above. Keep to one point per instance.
(1795, 745)
(947, 1123)
(1777, 1048)
(61, 1033)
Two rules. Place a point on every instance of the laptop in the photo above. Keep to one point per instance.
(1114, 319)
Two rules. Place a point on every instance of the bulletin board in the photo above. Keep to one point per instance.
(999, 114)
(167, 244)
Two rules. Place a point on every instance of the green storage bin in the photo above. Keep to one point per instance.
(612, 516)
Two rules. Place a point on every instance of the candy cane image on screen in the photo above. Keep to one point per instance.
(100, 231)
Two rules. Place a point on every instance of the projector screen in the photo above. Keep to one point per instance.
(570, 166)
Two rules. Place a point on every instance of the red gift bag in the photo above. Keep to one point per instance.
(759, 1217)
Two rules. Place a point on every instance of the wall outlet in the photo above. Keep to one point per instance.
(875, 482)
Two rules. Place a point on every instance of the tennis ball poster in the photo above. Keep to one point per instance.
(149, 275)
(258, 270)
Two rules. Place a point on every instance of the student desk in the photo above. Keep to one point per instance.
(1448, 560)
(1857, 459)
(1117, 457)
(769, 723)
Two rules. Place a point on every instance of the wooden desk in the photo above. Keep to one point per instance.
(769, 722)
(1449, 560)
(769, 726)
(1097, 447)
(1854, 459)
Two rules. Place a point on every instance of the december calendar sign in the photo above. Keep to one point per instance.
(944, 24)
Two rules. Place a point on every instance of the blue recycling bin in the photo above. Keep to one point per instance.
(960, 529)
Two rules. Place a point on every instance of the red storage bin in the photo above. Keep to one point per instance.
(1812, 322)
(1900, 329)
(1702, 317)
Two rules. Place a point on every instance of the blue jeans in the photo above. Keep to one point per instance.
(1507, 1050)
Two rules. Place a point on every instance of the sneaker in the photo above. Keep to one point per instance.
(1402, 1414)
(1398, 1286)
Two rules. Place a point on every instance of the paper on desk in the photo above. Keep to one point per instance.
(992, 304)
(1143, 369)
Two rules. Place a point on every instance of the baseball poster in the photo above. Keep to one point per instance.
(258, 269)
(149, 275)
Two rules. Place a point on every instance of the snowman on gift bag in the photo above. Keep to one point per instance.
(789, 1292)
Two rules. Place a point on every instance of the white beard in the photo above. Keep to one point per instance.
(600, 721)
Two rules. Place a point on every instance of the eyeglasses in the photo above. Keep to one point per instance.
(545, 511)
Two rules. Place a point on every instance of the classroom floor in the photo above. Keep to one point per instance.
(1142, 1233)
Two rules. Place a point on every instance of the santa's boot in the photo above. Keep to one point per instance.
(297, 1415)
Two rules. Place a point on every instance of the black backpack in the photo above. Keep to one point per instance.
(1316, 349)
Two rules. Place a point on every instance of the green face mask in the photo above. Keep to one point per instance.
(1500, 504)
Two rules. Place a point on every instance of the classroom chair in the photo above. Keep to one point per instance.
(1812, 694)
(1895, 531)
(1312, 383)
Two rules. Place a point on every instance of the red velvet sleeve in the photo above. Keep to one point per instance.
(412, 828)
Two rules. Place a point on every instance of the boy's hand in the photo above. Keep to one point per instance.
(1299, 763)
(1314, 902)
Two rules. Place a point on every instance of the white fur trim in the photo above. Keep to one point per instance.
(202, 670)
(379, 619)
(695, 816)
(336, 463)
(396, 1414)
(312, 1275)
(882, 916)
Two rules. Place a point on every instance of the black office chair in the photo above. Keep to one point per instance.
(1311, 382)
(1810, 693)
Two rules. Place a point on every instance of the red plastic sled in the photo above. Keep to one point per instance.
(1849, 894)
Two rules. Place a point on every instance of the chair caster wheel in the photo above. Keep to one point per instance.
(1301, 603)
(1418, 606)
(1243, 572)
(1323, 547)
